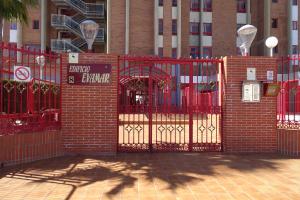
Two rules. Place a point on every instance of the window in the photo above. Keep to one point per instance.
(13, 26)
(194, 28)
(295, 49)
(207, 5)
(295, 25)
(207, 52)
(194, 52)
(295, 2)
(174, 27)
(274, 23)
(276, 49)
(160, 52)
(161, 3)
(174, 3)
(241, 6)
(160, 27)
(275, 1)
(174, 52)
(207, 29)
(36, 24)
(195, 5)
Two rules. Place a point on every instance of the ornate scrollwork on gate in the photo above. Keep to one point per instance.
(45, 88)
(138, 128)
(201, 129)
(161, 129)
(34, 87)
(8, 86)
(128, 128)
(21, 87)
(161, 84)
(55, 89)
(136, 85)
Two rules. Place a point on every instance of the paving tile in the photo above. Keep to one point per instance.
(208, 176)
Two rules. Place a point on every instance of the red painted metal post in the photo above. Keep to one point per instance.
(118, 101)
(191, 105)
(150, 106)
(221, 90)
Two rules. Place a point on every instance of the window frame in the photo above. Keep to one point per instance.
(35, 22)
(196, 8)
(160, 52)
(239, 9)
(197, 53)
(174, 3)
(294, 25)
(205, 32)
(160, 2)
(293, 48)
(191, 28)
(274, 23)
(207, 9)
(174, 26)
(295, 2)
(210, 51)
(174, 52)
(160, 26)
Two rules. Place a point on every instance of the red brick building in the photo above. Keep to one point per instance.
(168, 28)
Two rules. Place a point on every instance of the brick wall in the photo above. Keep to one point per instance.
(89, 113)
(28, 147)
(248, 127)
(288, 142)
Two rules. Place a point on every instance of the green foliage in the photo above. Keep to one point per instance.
(16, 9)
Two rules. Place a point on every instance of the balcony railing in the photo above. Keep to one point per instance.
(89, 9)
(59, 45)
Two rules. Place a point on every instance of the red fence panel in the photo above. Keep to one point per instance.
(30, 87)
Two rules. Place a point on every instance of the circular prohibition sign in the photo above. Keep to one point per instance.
(22, 73)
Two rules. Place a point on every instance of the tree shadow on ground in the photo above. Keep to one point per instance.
(122, 171)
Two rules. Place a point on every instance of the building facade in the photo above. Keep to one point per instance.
(167, 28)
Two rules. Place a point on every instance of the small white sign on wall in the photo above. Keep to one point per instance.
(73, 58)
(251, 74)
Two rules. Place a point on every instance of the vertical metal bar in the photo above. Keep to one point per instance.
(118, 102)
(150, 105)
(60, 90)
(221, 90)
(191, 105)
(1, 76)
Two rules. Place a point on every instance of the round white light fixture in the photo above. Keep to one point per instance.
(89, 30)
(271, 42)
(246, 35)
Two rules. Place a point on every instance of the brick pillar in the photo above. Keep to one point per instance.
(89, 113)
(248, 127)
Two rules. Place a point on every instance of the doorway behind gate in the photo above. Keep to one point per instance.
(167, 105)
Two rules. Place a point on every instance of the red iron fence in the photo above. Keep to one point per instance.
(169, 104)
(30, 90)
(288, 102)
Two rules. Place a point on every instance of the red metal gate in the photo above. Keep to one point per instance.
(169, 104)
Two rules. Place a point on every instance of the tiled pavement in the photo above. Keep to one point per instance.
(155, 176)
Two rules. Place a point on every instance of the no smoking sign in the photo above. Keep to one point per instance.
(22, 74)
